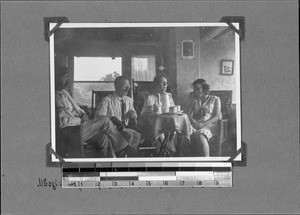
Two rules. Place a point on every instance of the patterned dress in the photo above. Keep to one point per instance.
(202, 112)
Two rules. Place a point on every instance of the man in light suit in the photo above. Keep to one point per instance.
(109, 141)
(120, 106)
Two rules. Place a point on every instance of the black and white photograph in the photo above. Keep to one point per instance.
(149, 107)
(120, 91)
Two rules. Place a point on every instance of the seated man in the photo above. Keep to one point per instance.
(108, 139)
(119, 105)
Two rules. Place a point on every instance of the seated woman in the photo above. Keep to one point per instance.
(204, 111)
(152, 100)
(160, 86)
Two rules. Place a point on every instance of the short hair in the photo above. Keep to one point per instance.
(157, 78)
(202, 82)
(119, 79)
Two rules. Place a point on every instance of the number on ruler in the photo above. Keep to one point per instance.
(217, 183)
(200, 182)
(97, 183)
(114, 183)
(166, 183)
(80, 184)
(148, 183)
(132, 183)
(182, 182)
(72, 184)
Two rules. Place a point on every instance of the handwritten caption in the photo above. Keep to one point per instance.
(44, 182)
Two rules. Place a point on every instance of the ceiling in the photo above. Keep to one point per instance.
(122, 34)
(112, 34)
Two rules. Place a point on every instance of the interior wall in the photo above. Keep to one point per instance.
(211, 54)
(187, 69)
(171, 64)
(270, 110)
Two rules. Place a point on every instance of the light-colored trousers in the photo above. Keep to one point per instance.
(132, 136)
(105, 133)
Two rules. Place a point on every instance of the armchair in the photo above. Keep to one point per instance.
(224, 123)
(68, 141)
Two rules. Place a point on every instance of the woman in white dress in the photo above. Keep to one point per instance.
(160, 86)
(204, 111)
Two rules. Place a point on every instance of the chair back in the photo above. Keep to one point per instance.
(96, 98)
(226, 101)
(140, 91)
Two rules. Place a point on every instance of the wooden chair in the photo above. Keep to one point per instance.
(68, 141)
(96, 98)
(140, 90)
(216, 142)
(223, 124)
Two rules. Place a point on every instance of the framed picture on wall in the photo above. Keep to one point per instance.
(227, 67)
(187, 49)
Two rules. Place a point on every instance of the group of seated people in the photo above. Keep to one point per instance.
(114, 132)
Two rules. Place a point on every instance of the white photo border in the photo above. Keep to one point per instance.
(145, 159)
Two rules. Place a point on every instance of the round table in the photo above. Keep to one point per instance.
(169, 124)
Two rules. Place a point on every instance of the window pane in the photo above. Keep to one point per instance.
(83, 92)
(143, 68)
(97, 68)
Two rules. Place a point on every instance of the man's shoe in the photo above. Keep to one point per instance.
(131, 152)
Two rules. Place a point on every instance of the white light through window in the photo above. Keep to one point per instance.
(97, 68)
(143, 68)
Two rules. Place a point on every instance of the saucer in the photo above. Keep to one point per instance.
(169, 113)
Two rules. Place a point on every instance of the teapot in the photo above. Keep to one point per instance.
(164, 100)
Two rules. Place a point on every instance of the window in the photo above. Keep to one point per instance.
(94, 73)
(143, 68)
(97, 68)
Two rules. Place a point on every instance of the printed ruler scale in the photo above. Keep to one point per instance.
(134, 175)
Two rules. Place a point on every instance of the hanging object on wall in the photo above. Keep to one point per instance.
(187, 49)
(162, 67)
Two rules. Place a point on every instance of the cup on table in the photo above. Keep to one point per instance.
(173, 109)
(178, 108)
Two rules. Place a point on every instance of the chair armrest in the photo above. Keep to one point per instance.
(70, 130)
(223, 120)
(223, 129)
